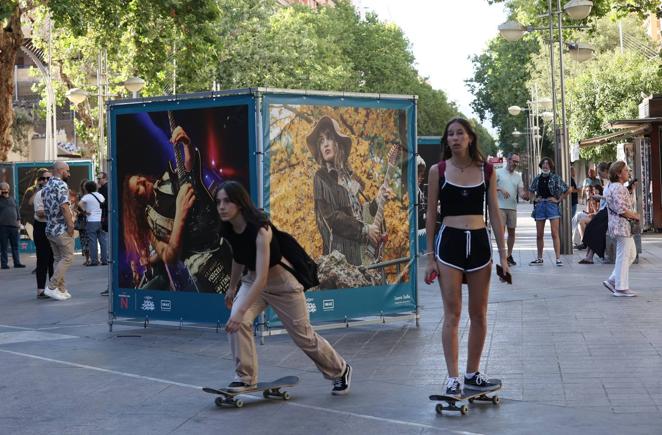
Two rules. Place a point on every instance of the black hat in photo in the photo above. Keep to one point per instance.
(327, 123)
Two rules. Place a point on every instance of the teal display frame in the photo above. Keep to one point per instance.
(183, 307)
(341, 306)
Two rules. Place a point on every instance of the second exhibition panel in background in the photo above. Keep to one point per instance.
(339, 177)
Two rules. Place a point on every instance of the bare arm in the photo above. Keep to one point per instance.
(235, 277)
(261, 273)
(433, 199)
(179, 135)
(495, 220)
(171, 251)
(68, 218)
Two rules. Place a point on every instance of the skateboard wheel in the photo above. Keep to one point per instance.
(219, 401)
(239, 403)
(471, 400)
(285, 395)
(464, 410)
(439, 408)
(496, 400)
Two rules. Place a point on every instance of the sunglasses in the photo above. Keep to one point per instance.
(44, 178)
(4, 192)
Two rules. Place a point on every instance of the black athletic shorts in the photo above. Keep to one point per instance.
(466, 250)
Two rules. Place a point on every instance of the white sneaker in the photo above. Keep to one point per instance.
(627, 293)
(67, 295)
(55, 294)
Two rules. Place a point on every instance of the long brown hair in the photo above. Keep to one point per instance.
(474, 152)
(238, 195)
(136, 228)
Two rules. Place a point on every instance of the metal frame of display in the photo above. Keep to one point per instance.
(261, 328)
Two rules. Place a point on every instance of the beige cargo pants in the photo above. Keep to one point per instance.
(285, 295)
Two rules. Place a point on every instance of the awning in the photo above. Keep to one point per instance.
(626, 131)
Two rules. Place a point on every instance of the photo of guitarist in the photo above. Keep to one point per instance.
(175, 218)
(338, 196)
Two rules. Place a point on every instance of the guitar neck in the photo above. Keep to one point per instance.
(379, 216)
(179, 159)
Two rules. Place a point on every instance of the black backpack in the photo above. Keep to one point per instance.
(303, 267)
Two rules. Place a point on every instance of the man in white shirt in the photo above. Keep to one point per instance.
(509, 184)
(91, 203)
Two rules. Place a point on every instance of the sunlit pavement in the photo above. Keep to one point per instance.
(573, 359)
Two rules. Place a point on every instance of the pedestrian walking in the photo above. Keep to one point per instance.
(59, 229)
(620, 209)
(91, 204)
(10, 224)
(42, 245)
(549, 190)
(266, 283)
(509, 186)
(461, 183)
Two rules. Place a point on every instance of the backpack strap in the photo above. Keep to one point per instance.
(441, 167)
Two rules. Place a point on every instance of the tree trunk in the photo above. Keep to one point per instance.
(11, 38)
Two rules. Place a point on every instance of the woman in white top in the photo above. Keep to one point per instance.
(91, 203)
(43, 247)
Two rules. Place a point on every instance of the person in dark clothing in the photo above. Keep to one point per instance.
(42, 245)
(337, 192)
(574, 192)
(258, 270)
(10, 222)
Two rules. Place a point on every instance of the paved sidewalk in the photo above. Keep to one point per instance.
(574, 360)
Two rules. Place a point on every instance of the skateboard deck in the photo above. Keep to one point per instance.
(269, 390)
(468, 395)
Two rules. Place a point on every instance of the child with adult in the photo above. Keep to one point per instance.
(266, 282)
(461, 183)
(549, 190)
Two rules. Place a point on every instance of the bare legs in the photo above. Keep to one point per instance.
(450, 280)
(540, 234)
(511, 240)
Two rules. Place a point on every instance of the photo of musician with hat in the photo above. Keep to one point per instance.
(338, 194)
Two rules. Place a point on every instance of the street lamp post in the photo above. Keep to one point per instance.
(77, 96)
(513, 31)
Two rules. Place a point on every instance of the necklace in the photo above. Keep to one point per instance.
(461, 168)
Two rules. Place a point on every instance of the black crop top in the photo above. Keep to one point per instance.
(461, 200)
(244, 249)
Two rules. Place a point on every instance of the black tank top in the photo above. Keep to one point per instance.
(459, 200)
(244, 250)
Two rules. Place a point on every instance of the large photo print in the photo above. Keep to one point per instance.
(338, 183)
(170, 164)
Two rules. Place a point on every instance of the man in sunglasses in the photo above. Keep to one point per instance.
(9, 225)
(509, 185)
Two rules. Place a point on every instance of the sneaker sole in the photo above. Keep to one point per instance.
(608, 286)
(620, 294)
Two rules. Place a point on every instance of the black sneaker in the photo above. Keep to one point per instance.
(238, 387)
(105, 293)
(511, 261)
(341, 385)
(536, 262)
(453, 388)
(480, 382)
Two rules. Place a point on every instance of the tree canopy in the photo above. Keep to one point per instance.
(180, 46)
(605, 88)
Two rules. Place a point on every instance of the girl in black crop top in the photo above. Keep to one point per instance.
(266, 283)
(460, 184)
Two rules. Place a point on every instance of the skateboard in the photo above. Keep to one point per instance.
(269, 390)
(469, 395)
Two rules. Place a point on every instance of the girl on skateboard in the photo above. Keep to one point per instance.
(460, 183)
(266, 283)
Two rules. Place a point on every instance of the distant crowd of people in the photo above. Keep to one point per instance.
(54, 212)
